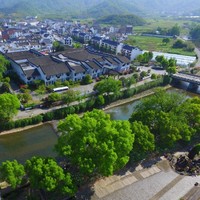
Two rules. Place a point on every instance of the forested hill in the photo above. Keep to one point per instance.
(96, 8)
(122, 20)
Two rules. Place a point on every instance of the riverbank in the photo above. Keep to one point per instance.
(54, 123)
(134, 98)
(12, 131)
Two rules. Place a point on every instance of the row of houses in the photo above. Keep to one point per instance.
(118, 48)
(72, 64)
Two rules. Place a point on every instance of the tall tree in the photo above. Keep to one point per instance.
(12, 172)
(9, 105)
(44, 173)
(3, 65)
(70, 96)
(108, 86)
(94, 143)
(160, 113)
(144, 140)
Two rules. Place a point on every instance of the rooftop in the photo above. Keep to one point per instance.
(48, 66)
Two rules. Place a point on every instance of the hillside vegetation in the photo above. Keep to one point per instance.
(122, 20)
(96, 8)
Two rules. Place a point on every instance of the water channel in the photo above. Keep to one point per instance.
(124, 111)
(25, 144)
(41, 140)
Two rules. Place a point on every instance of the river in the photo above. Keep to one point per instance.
(124, 111)
(23, 145)
(41, 140)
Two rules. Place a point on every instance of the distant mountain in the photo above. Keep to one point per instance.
(110, 7)
(122, 20)
(96, 8)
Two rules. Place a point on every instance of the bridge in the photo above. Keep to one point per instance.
(190, 78)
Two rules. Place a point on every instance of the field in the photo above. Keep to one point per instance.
(156, 44)
(153, 24)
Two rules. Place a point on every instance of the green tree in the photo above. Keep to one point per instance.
(195, 32)
(171, 70)
(45, 174)
(144, 140)
(57, 46)
(175, 30)
(12, 172)
(4, 64)
(143, 74)
(159, 59)
(94, 143)
(166, 40)
(153, 76)
(159, 113)
(53, 97)
(86, 80)
(100, 101)
(108, 86)
(24, 97)
(179, 44)
(9, 105)
(41, 89)
(5, 88)
(70, 96)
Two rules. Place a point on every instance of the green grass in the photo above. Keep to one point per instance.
(153, 24)
(156, 44)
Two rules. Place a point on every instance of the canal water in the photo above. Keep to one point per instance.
(23, 145)
(124, 111)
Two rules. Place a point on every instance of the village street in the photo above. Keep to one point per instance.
(83, 89)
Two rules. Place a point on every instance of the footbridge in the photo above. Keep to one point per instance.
(187, 78)
(193, 80)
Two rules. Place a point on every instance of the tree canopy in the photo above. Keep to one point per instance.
(44, 173)
(167, 117)
(94, 143)
(108, 85)
(3, 65)
(144, 140)
(9, 105)
(12, 172)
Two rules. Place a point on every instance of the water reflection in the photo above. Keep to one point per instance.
(25, 144)
(124, 111)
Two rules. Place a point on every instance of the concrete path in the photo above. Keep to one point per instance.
(159, 182)
(111, 184)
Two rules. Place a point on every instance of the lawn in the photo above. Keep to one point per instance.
(156, 44)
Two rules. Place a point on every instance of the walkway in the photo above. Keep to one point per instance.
(158, 182)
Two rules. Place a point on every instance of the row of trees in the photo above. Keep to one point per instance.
(42, 174)
(174, 31)
(170, 117)
(145, 57)
(168, 64)
(195, 32)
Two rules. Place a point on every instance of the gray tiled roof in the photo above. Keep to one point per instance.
(48, 66)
